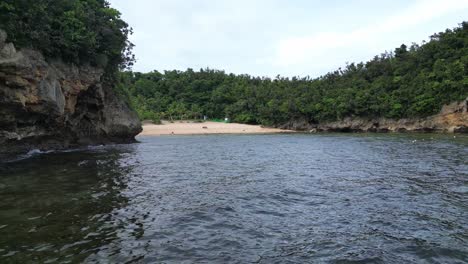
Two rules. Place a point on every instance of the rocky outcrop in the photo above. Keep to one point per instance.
(51, 104)
(453, 118)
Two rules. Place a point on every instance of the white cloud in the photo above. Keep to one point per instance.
(270, 37)
(295, 51)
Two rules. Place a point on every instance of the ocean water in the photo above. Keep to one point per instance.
(323, 198)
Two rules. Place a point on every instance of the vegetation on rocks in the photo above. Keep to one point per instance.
(58, 66)
(411, 81)
(79, 31)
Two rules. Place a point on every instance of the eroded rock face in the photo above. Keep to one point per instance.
(49, 105)
(453, 118)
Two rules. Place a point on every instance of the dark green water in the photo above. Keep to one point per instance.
(334, 198)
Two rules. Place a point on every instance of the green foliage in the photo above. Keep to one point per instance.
(413, 81)
(77, 31)
(153, 117)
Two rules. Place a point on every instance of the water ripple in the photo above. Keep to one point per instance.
(241, 199)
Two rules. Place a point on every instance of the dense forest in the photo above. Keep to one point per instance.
(411, 81)
(79, 32)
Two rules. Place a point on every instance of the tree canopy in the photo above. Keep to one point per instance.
(77, 31)
(412, 81)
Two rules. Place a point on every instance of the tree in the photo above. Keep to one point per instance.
(77, 31)
(411, 82)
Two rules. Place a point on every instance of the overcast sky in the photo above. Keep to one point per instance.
(286, 37)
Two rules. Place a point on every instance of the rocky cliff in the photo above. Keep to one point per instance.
(52, 105)
(453, 118)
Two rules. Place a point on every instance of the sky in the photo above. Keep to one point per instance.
(278, 37)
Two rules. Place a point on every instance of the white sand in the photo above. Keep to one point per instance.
(190, 128)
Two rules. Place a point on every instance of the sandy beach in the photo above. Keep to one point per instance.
(192, 128)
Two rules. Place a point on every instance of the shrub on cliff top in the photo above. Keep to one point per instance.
(77, 31)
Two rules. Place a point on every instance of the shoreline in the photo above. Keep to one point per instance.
(206, 128)
(453, 118)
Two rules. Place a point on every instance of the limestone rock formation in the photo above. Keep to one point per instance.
(453, 118)
(50, 104)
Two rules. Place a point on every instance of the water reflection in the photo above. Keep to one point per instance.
(59, 206)
(333, 198)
